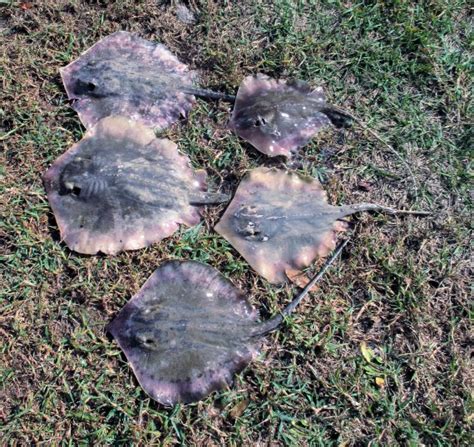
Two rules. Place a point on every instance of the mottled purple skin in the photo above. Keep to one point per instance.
(125, 75)
(121, 188)
(186, 332)
(277, 117)
(281, 222)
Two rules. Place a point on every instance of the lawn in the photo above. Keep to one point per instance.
(379, 354)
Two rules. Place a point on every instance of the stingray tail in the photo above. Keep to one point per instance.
(209, 198)
(275, 322)
(338, 117)
(347, 210)
(209, 94)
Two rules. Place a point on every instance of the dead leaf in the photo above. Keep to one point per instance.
(380, 382)
(367, 353)
(239, 409)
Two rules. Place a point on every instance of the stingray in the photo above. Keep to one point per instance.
(123, 74)
(121, 188)
(281, 222)
(189, 330)
(278, 117)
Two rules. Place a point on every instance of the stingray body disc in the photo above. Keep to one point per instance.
(186, 332)
(280, 222)
(123, 74)
(121, 188)
(277, 117)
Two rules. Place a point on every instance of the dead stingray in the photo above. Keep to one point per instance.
(121, 188)
(280, 222)
(278, 117)
(189, 330)
(126, 75)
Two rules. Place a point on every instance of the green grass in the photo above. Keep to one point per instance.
(395, 307)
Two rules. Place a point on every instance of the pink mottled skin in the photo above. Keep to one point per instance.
(278, 117)
(121, 188)
(186, 332)
(126, 75)
(280, 221)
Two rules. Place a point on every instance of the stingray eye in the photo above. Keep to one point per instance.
(72, 188)
(145, 339)
(76, 191)
(260, 121)
(84, 87)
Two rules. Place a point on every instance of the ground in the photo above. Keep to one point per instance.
(379, 354)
